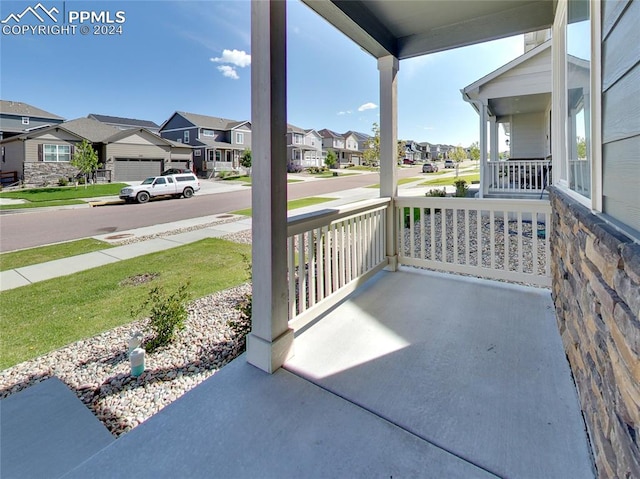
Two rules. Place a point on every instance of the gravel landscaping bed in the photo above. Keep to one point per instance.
(98, 369)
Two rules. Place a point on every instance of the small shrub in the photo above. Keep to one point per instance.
(294, 168)
(436, 193)
(63, 182)
(316, 170)
(461, 188)
(167, 314)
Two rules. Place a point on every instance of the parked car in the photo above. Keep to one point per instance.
(408, 161)
(184, 184)
(175, 171)
(429, 168)
(449, 164)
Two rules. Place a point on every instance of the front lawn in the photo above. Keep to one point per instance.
(449, 181)
(42, 254)
(292, 205)
(37, 195)
(42, 317)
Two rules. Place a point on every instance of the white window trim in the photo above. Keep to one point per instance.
(206, 130)
(186, 136)
(559, 106)
(239, 137)
(57, 153)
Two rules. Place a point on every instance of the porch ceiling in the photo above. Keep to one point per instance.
(408, 28)
(517, 105)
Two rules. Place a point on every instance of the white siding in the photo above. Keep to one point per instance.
(528, 135)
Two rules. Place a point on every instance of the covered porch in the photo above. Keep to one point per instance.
(417, 374)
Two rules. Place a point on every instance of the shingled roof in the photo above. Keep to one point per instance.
(24, 109)
(125, 122)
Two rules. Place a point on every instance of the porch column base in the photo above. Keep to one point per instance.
(392, 263)
(269, 355)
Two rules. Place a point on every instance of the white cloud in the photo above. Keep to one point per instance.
(228, 71)
(347, 112)
(367, 106)
(239, 58)
(428, 128)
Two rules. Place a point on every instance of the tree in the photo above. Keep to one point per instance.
(372, 154)
(581, 148)
(245, 160)
(331, 159)
(85, 159)
(474, 151)
(457, 154)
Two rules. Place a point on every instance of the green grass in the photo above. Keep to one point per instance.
(401, 181)
(36, 195)
(45, 316)
(59, 195)
(42, 204)
(449, 181)
(247, 179)
(292, 205)
(42, 254)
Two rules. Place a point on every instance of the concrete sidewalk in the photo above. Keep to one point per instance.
(169, 235)
(165, 236)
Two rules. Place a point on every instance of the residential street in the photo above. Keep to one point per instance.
(28, 229)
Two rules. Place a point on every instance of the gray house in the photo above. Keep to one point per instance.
(43, 156)
(304, 147)
(218, 143)
(17, 118)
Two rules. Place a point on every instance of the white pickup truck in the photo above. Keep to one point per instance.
(184, 184)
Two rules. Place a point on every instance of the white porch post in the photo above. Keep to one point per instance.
(388, 67)
(270, 342)
(483, 150)
(493, 149)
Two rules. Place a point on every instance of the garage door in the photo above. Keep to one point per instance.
(132, 169)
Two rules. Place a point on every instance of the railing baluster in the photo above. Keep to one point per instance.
(291, 254)
(422, 235)
(302, 274)
(455, 234)
(432, 227)
(520, 255)
(412, 234)
(467, 241)
(321, 271)
(534, 243)
(312, 268)
(505, 229)
(492, 238)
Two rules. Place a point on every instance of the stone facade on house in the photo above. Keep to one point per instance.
(45, 173)
(596, 290)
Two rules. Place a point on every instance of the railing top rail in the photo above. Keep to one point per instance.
(499, 204)
(308, 221)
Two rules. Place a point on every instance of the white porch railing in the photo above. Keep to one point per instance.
(512, 176)
(330, 253)
(493, 238)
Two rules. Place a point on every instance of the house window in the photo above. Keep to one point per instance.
(57, 152)
(239, 137)
(297, 139)
(196, 153)
(578, 100)
(25, 120)
(186, 136)
(208, 133)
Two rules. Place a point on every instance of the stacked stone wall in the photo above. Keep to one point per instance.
(596, 290)
(43, 173)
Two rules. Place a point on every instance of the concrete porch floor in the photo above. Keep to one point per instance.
(417, 374)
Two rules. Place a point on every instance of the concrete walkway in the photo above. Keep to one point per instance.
(18, 277)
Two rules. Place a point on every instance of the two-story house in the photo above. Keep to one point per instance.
(344, 145)
(425, 150)
(304, 147)
(17, 118)
(218, 143)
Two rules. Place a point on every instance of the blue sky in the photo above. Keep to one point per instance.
(194, 56)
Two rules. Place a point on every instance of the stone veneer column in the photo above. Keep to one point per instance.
(596, 290)
(270, 342)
